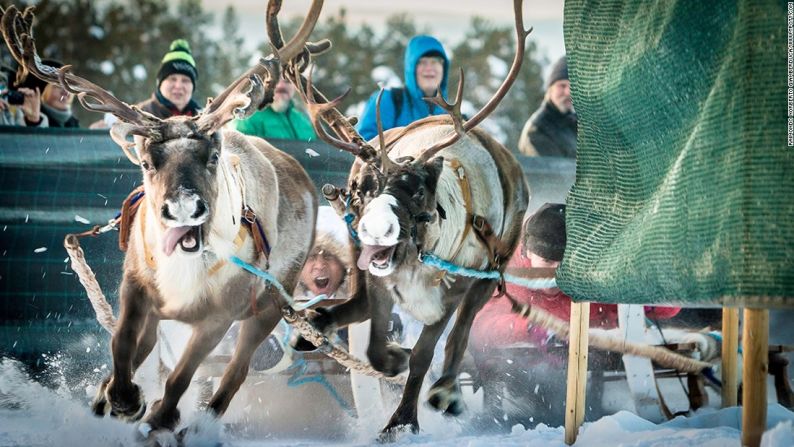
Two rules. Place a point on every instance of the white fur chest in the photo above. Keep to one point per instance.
(415, 297)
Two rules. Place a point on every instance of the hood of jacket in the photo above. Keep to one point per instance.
(418, 47)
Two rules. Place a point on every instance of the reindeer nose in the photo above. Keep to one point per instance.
(201, 209)
(185, 209)
(379, 226)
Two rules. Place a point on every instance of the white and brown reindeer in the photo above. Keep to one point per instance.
(210, 193)
(437, 187)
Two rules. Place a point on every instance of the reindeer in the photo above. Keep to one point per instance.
(205, 190)
(436, 188)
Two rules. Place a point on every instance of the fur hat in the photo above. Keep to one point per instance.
(332, 236)
(544, 232)
(559, 71)
(178, 60)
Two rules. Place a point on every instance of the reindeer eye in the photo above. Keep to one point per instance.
(145, 165)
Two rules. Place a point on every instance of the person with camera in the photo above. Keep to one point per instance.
(19, 107)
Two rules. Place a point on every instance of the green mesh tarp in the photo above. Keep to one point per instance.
(684, 187)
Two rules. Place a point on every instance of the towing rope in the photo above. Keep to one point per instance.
(297, 318)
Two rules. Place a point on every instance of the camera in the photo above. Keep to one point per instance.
(15, 98)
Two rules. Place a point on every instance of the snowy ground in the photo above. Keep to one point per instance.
(34, 415)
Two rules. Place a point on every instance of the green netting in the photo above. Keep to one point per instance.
(683, 190)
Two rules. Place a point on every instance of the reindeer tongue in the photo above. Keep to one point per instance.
(367, 252)
(172, 237)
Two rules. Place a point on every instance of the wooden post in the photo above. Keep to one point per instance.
(755, 342)
(577, 370)
(730, 356)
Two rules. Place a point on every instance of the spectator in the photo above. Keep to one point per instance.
(176, 83)
(551, 130)
(280, 119)
(10, 114)
(426, 70)
(46, 105)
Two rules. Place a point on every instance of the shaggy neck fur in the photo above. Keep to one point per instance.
(183, 279)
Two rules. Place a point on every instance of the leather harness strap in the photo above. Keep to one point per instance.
(497, 251)
(128, 209)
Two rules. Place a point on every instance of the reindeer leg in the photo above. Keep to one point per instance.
(389, 358)
(253, 332)
(354, 310)
(117, 394)
(445, 394)
(206, 335)
(329, 319)
(146, 340)
(405, 417)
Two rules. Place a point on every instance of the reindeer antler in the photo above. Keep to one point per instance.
(488, 108)
(17, 30)
(255, 87)
(319, 107)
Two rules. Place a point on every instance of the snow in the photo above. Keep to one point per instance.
(32, 414)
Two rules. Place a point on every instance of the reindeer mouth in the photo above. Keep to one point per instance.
(376, 257)
(187, 237)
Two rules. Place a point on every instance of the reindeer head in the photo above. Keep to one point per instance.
(391, 224)
(393, 200)
(180, 157)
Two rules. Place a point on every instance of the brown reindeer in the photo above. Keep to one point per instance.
(209, 194)
(437, 187)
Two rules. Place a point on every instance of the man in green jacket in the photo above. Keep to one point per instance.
(279, 120)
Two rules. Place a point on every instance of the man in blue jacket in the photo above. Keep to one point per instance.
(426, 69)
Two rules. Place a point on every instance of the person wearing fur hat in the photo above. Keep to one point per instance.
(551, 130)
(176, 82)
(329, 262)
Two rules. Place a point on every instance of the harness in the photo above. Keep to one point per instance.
(249, 221)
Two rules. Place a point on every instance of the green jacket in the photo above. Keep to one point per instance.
(267, 123)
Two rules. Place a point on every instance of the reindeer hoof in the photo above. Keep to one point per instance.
(391, 433)
(158, 418)
(149, 437)
(445, 396)
(100, 405)
(392, 360)
(130, 409)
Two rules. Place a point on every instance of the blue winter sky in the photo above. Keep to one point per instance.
(447, 19)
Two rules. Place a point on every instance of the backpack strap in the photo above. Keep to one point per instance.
(397, 99)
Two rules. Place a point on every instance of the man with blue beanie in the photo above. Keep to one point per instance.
(426, 69)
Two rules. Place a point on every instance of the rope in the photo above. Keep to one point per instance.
(548, 321)
(299, 378)
(297, 318)
(104, 313)
(441, 264)
(661, 356)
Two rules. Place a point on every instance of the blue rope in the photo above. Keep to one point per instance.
(264, 275)
(300, 364)
(298, 379)
(434, 261)
(349, 218)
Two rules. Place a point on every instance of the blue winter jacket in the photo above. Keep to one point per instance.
(413, 107)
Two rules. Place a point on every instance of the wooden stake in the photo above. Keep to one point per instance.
(755, 342)
(577, 370)
(730, 356)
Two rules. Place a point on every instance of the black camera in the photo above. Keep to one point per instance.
(15, 97)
